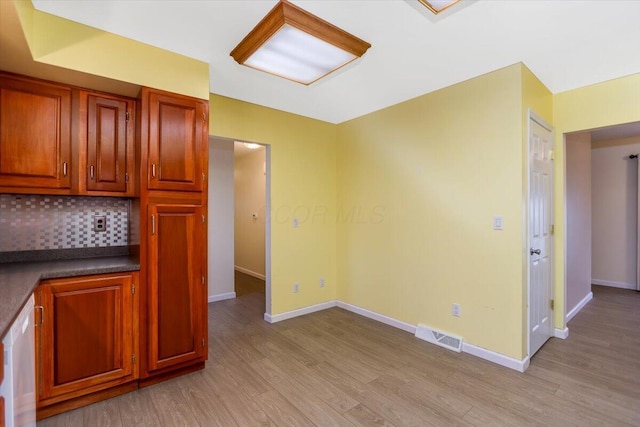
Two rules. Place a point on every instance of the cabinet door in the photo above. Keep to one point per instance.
(176, 286)
(35, 137)
(177, 128)
(86, 335)
(109, 143)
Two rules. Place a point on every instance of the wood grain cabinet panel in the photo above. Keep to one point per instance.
(110, 139)
(86, 339)
(35, 134)
(177, 133)
(176, 286)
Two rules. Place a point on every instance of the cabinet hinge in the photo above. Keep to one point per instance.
(203, 219)
(203, 177)
(127, 116)
(126, 177)
(202, 279)
(551, 304)
(553, 228)
(202, 342)
(204, 117)
(133, 289)
(133, 359)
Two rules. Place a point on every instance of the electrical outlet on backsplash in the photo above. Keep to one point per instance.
(40, 222)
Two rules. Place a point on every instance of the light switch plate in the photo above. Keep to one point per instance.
(498, 222)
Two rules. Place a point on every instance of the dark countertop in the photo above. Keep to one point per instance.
(18, 280)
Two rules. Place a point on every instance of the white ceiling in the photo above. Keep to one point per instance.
(627, 130)
(566, 43)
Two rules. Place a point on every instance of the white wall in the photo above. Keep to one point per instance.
(578, 191)
(221, 242)
(614, 209)
(249, 193)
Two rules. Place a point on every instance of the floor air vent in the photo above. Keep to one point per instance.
(439, 338)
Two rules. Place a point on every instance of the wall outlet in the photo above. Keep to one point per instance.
(296, 288)
(455, 309)
(99, 223)
(322, 283)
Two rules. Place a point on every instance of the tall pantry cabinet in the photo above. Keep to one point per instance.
(173, 133)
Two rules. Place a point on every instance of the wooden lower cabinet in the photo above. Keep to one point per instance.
(176, 286)
(86, 337)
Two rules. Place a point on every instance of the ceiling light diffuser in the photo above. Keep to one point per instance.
(437, 6)
(292, 43)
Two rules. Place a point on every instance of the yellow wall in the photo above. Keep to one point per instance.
(423, 180)
(60, 42)
(303, 184)
(605, 104)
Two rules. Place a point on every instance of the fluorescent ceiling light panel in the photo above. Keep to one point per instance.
(291, 43)
(298, 56)
(437, 6)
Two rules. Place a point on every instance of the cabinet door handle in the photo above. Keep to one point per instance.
(92, 172)
(153, 224)
(64, 168)
(41, 308)
(153, 170)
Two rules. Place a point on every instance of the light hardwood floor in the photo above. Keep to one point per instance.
(337, 368)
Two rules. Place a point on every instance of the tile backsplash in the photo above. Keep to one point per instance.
(37, 222)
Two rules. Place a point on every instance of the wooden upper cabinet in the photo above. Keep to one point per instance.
(110, 144)
(177, 141)
(176, 286)
(35, 134)
(85, 341)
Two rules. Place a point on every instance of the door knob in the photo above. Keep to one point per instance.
(535, 251)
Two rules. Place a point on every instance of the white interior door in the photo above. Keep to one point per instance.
(540, 234)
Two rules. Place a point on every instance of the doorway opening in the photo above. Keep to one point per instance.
(239, 226)
(601, 211)
(249, 191)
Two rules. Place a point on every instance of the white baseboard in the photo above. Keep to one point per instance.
(379, 317)
(249, 272)
(500, 359)
(563, 334)
(221, 297)
(620, 285)
(491, 356)
(298, 312)
(579, 306)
